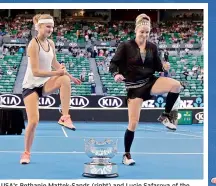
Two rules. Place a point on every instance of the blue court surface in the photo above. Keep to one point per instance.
(58, 153)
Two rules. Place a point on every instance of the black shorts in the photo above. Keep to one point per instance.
(38, 90)
(143, 92)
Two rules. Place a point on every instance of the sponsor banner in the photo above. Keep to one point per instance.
(101, 44)
(111, 115)
(48, 101)
(181, 46)
(14, 100)
(110, 102)
(79, 101)
(185, 117)
(23, 41)
(10, 100)
(65, 44)
(9, 40)
(112, 43)
(198, 116)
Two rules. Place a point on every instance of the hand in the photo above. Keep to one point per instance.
(119, 78)
(75, 80)
(60, 72)
(166, 66)
(63, 67)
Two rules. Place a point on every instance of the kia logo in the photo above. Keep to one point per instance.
(9, 100)
(162, 46)
(110, 102)
(59, 44)
(175, 45)
(47, 101)
(73, 44)
(199, 116)
(79, 101)
(188, 46)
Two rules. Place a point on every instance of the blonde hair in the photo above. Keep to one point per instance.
(37, 17)
(143, 19)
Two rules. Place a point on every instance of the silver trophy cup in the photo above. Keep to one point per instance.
(100, 152)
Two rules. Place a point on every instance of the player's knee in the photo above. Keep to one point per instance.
(176, 85)
(65, 79)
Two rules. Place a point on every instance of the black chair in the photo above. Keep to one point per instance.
(11, 122)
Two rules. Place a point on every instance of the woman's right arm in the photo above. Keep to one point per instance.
(33, 52)
(117, 59)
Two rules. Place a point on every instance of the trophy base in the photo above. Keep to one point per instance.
(100, 175)
(93, 170)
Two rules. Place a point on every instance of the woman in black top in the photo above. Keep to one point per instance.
(135, 62)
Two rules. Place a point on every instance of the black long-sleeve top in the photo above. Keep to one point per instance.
(128, 62)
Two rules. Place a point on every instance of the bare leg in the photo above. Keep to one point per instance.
(62, 83)
(172, 87)
(134, 107)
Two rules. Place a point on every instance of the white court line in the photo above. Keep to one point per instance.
(140, 153)
(64, 132)
(174, 132)
(150, 129)
(120, 125)
(177, 133)
(169, 132)
(178, 130)
(104, 137)
(194, 132)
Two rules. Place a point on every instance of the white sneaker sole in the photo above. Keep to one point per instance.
(131, 164)
(170, 126)
(62, 124)
(24, 162)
